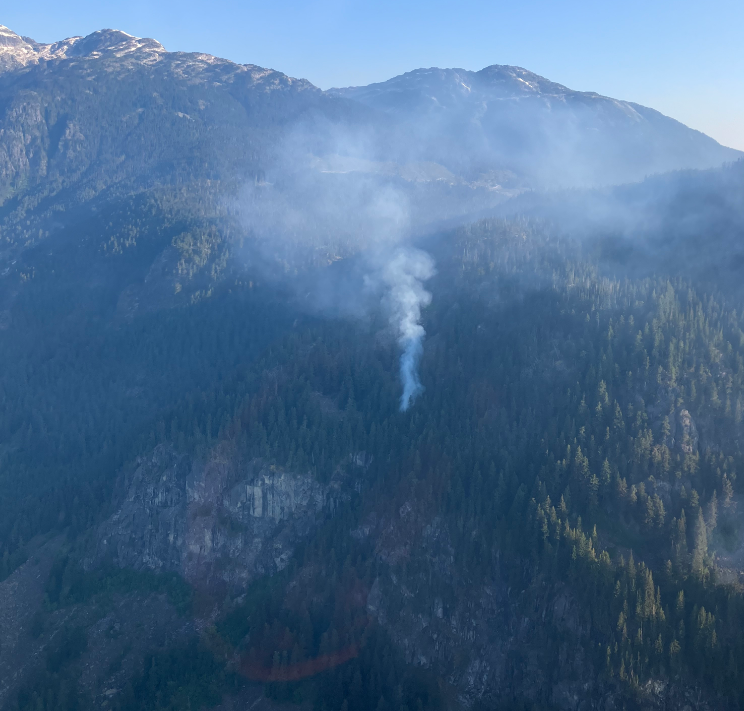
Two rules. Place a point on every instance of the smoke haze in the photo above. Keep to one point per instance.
(361, 189)
(313, 210)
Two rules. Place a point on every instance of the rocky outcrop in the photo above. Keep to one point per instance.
(222, 521)
(686, 435)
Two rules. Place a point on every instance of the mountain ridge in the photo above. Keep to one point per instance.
(493, 109)
(515, 82)
(17, 52)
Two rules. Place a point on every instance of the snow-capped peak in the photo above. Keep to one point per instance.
(17, 52)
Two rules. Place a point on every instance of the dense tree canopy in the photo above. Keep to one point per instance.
(575, 429)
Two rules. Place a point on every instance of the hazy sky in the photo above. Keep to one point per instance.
(683, 58)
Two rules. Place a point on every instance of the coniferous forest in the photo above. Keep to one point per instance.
(212, 497)
(578, 437)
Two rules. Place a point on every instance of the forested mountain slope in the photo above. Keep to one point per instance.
(687, 223)
(212, 496)
(566, 485)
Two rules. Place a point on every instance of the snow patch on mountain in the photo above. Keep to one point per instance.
(17, 52)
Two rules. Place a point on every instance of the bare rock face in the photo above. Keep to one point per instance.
(217, 522)
(687, 434)
(14, 50)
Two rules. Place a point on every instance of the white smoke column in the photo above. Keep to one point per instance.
(404, 275)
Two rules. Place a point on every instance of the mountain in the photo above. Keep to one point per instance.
(456, 141)
(151, 114)
(91, 124)
(18, 52)
(511, 118)
(685, 223)
(334, 400)
(93, 121)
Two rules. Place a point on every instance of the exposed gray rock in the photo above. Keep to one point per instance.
(687, 435)
(17, 52)
(219, 521)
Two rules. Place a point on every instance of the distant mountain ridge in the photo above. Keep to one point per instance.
(89, 123)
(439, 87)
(122, 108)
(17, 52)
(520, 120)
(502, 125)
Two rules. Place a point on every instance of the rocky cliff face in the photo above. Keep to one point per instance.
(219, 522)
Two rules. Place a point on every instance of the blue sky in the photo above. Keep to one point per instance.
(683, 58)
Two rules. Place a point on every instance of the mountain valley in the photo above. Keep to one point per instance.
(420, 395)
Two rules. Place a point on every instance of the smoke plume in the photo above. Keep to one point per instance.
(325, 201)
(403, 275)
